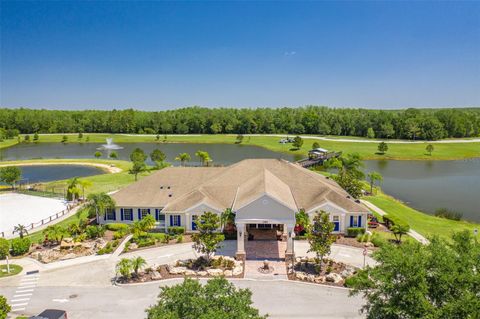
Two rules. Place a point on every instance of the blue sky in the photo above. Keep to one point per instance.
(160, 55)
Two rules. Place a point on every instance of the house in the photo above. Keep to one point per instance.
(263, 193)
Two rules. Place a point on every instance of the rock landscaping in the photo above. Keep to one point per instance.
(331, 273)
(219, 266)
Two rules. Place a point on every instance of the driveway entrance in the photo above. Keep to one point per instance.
(265, 249)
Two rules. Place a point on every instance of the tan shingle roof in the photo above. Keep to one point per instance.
(235, 185)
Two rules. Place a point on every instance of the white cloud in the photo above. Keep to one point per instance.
(289, 53)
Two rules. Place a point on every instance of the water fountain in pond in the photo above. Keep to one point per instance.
(110, 145)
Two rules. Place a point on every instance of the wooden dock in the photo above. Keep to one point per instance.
(311, 162)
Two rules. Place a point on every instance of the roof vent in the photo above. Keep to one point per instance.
(170, 195)
(348, 196)
(168, 187)
(357, 201)
(327, 177)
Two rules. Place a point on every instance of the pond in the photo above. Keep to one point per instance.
(429, 185)
(425, 185)
(223, 154)
(47, 173)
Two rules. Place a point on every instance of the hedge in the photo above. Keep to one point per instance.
(4, 248)
(355, 231)
(117, 227)
(176, 230)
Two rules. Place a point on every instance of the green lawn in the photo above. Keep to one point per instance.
(444, 151)
(14, 269)
(8, 143)
(37, 236)
(425, 224)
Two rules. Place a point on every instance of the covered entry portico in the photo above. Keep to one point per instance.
(242, 234)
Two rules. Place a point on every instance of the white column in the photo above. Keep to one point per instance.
(343, 224)
(240, 238)
(188, 222)
(290, 235)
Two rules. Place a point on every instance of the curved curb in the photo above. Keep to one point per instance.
(232, 279)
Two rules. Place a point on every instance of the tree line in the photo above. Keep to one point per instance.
(427, 124)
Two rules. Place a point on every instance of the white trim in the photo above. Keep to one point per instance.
(294, 209)
(216, 209)
(327, 202)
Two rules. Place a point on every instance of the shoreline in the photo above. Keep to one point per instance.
(105, 167)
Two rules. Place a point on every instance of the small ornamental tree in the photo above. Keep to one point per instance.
(64, 139)
(208, 238)
(113, 155)
(429, 149)
(297, 142)
(372, 177)
(315, 145)
(320, 236)
(302, 221)
(27, 138)
(138, 155)
(158, 156)
(125, 267)
(4, 307)
(21, 230)
(137, 168)
(97, 154)
(382, 147)
(97, 203)
(73, 189)
(217, 299)
(204, 157)
(10, 175)
(35, 137)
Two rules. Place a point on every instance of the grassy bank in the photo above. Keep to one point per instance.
(425, 224)
(8, 143)
(100, 183)
(443, 151)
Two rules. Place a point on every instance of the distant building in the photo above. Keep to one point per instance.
(263, 193)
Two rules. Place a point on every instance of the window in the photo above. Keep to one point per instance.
(127, 214)
(161, 217)
(354, 221)
(110, 213)
(144, 212)
(336, 219)
(175, 220)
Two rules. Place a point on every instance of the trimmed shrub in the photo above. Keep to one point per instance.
(20, 246)
(176, 230)
(377, 240)
(180, 239)
(95, 231)
(4, 248)
(355, 231)
(157, 236)
(117, 227)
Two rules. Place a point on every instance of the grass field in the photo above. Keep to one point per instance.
(14, 269)
(8, 143)
(425, 224)
(442, 151)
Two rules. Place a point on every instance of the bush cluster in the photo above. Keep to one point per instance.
(176, 230)
(20, 246)
(392, 220)
(355, 231)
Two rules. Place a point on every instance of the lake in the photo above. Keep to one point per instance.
(47, 173)
(429, 185)
(223, 154)
(425, 185)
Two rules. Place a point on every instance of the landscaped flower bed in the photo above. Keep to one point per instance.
(200, 267)
(330, 273)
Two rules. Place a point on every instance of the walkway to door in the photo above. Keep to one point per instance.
(265, 249)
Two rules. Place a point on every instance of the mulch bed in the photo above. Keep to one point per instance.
(349, 241)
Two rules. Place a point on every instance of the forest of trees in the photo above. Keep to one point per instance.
(428, 124)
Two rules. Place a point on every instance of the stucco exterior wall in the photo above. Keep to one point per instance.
(265, 208)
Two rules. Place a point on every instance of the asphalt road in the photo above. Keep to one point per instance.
(85, 289)
(277, 298)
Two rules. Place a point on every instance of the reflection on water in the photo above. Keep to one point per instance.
(429, 185)
(47, 173)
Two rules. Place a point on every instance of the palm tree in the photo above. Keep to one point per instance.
(372, 177)
(204, 157)
(183, 157)
(20, 229)
(137, 264)
(100, 202)
(124, 267)
(399, 230)
(227, 217)
(349, 164)
(84, 183)
(72, 189)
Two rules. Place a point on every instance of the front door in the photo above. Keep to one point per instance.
(194, 222)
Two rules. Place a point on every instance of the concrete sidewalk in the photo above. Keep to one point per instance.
(412, 233)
